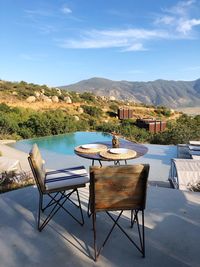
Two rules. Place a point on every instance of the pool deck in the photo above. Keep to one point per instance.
(158, 156)
(172, 225)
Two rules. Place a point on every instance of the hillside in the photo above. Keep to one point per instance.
(85, 107)
(44, 98)
(171, 94)
(29, 110)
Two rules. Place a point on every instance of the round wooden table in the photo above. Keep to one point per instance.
(138, 148)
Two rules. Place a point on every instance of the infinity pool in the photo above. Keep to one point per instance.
(62, 144)
(58, 151)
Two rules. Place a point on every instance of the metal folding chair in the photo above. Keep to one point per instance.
(58, 185)
(119, 188)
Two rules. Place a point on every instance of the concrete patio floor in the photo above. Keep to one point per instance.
(172, 225)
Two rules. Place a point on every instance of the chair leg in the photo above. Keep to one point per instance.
(94, 234)
(133, 219)
(39, 210)
(88, 207)
(143, 235)
(141, 247)
(81, 211)
(56, 204)
(52, 202)
(53, 211)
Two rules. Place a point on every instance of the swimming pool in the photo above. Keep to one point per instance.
(62, 144)
(58, 151)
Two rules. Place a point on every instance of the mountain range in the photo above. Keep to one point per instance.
(171, 94)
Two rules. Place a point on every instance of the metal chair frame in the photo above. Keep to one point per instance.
(141, 233)
(58, 197)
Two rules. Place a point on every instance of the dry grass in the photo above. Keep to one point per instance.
(190, 111)
(39, 105)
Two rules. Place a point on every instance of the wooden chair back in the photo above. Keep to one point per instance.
(118, 187)
(37, 166)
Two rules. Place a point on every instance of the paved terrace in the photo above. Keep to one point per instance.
(172, 225)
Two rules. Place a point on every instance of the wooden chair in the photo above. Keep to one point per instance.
(58, 185)
(119, 188)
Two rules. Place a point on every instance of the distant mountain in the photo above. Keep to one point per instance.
(160, 92)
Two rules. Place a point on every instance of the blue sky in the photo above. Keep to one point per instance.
(58, 42)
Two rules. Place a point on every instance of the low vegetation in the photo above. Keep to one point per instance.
(13, 181)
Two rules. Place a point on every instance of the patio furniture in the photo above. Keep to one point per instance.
(184, 173)
(58, 185)
(119, 188)
(7, 166)
(194, 151)
(194, 143)
(140, 150)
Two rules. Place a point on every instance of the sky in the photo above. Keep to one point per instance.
(56, 42)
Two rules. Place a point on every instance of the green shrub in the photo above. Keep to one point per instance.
(92, 111)
(114, 107)
(88, 97)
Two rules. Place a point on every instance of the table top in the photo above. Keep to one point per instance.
(139, 149)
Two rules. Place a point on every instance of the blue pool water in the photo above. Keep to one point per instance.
(62, 144)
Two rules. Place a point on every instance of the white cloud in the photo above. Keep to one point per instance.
(179, 17)
(131, 33)
(127, 40)
(181, 8)
(66, 10)
(173, 23)
(93, 43)
(168, 20)
(135, 47)
(185, 26)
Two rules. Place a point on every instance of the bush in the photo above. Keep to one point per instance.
(92, 111)
(88, 97)
(184, 129)
(4, 108)
(114, 107)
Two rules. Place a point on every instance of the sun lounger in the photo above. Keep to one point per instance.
(184, 173)
(194, 153)
(196, 148)
(194, 143)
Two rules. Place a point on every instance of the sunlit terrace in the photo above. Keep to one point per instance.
(172, 223)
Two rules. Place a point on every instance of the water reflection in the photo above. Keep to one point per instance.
(62, 144)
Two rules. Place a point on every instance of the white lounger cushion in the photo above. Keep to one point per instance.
(66, 177)
(184, 173)
(195, 154)
(194, 148)
(195, 143)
